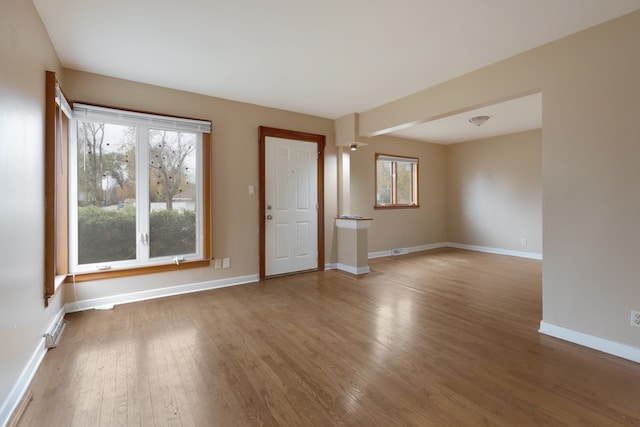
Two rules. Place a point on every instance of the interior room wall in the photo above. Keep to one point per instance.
(589, 175)
(590, 153)
(494, 192)
(235, 167)
(590, 149)
(25, 54)
(403, 227)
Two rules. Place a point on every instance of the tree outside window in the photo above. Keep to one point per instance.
(137, 191)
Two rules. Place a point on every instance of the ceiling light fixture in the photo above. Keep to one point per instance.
(353, 147)
(478, 120)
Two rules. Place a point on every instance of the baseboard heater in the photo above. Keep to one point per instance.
(52, 337)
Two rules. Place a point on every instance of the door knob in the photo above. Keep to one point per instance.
(269, 217)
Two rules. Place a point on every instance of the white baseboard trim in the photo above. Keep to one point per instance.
(331, 266)
(157, 293)
(610, 347)
(412, 249)
(380, 254)
(24, 381)
(353, 270)
(521, 254)
(21, 386)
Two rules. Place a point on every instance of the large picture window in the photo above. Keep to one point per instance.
(396, 181)
(136, 190)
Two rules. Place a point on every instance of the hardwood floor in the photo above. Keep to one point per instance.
(438, 338)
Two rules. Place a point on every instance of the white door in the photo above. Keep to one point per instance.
(291, 194)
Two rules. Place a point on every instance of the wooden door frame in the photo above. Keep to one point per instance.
(320, 141)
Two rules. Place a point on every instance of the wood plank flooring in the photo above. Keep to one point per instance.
(437, 338)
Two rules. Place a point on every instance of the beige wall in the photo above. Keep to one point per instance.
(590, 173)
(235, 167)
(494, 192)
(484, 193)
(25, 54)
(401, 228)
(590, 152)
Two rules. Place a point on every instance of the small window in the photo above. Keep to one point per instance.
(396, 181)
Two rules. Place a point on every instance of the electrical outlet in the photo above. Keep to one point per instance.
(226, 263)
(523, 241)
(217, 263)
(635, 318)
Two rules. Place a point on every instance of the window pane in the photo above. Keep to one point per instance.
(172, 193)
(106, 192)
(383, 180)
(404, 177)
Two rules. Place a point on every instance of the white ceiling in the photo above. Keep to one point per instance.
(327, 58)
(516, 115)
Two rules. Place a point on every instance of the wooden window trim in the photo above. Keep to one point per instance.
(55, 190)
(56, 244)
(383, 207)
(206, 223)
(414, 189)
(137, 271)
(49, 187)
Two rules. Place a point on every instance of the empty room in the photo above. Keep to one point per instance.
(288, 213)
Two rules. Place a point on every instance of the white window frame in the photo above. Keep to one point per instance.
(143, 123)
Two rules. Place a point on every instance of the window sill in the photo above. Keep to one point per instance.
(112, 274)
(58, 280)
(395, 206)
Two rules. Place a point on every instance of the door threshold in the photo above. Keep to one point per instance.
(292, 273)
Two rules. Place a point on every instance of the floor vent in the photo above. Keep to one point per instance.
(52, 337)
(399, 251)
